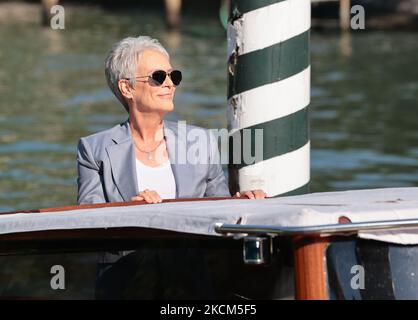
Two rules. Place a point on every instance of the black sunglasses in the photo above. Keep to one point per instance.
(160, 75)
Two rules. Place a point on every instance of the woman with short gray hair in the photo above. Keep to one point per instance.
(139, 158)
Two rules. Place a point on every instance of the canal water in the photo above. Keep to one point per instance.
(364, 109)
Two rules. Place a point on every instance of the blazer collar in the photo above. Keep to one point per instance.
(122, 161)
(176, 140)
(122, 133)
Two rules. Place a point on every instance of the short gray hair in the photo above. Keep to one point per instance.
(121, 62)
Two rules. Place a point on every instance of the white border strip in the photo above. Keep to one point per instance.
(280, 22)
(280, 174)
(272, 101)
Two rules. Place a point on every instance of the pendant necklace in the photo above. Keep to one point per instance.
(149, 153)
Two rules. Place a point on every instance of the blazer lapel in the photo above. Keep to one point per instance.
(122, 162)
(176, 141)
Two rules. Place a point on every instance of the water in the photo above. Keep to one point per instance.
(53, 91)
(364, 111)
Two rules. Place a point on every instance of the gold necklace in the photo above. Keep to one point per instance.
(149, 153)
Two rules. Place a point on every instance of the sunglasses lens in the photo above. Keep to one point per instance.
(159, 76)
(176, 77)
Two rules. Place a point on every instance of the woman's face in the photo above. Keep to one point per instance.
(148, 96)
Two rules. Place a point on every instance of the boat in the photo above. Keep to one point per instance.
(357, 244)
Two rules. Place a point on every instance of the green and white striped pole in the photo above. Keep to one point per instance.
(269, 89)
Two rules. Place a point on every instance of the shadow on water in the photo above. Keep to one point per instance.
(53, 91)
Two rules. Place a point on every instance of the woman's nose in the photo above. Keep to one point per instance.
(168, 82)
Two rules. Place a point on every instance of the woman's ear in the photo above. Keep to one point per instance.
(125, 88)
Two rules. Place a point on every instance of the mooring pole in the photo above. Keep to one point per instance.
(269, 89)
(173, 13)
(345, 8)
(46, 6)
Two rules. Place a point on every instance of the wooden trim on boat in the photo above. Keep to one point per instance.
(116, 204)
(310, 268)
(310, 265)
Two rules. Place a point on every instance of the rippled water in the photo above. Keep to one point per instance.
(52, 92)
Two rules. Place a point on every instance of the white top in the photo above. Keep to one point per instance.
(159, 179)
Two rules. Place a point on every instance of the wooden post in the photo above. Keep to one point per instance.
(269, 96)
(345, 14)
(310, 268)
(46, 11)
(173, 13)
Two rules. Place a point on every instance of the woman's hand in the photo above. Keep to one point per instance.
(252, 194)
(149, 196)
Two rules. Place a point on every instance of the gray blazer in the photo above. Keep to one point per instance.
(107, 171)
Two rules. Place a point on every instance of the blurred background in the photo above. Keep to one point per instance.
(364, 110)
